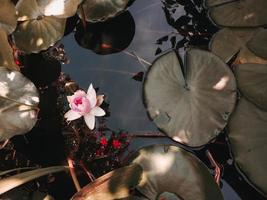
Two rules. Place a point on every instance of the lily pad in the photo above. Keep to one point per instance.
(174, 170)
(8, 17)
(247, 136)
(258, 44)
(180, 175)
(113, 185)
(59, 8)
(18, 102)
(191, 106)
(252, 82)
(6, 53)
(36, 31)
(107, 37)
(96, 11)
(236, 13)
(228, 42)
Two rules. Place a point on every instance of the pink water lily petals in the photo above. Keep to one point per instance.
(72, 115)
(97, 111)
(86, 105)
(90, 121)
(91, 95)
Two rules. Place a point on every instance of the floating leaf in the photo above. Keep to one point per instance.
(19, 179)
(107, 37)
(113, 185)
(59, 8)
(258, 44)
(36, 31)
(236, 13)
(247, 135)
(6, 53)
(8, 17)
(252, 82)
(174, 170)
(191, 108)
(179, 173)
(18, 104)
(96, 11)
(228, 41)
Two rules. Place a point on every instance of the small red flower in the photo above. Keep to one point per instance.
(103, 141)
(116, 144)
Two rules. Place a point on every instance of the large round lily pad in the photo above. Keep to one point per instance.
(252, 82)
(155, 172)
(238, 13)
(8, 17)
(228, 42)
(6, 52)
(192, 106)
(36, 31)
(18, 104)
(174, 170)
(96, 11)
(258, 44)
(248, 137)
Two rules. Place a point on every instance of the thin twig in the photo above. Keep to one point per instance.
(4, 144)
(89, 174)
(73, 175)
(218, 167)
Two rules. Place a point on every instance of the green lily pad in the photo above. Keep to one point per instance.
(227, 42)
(247, 136)
(192, 108)
(8, 17)
(36, 31)
(173, 170)
(258, 44)
(180, 175)
(6, 53)
(252, 82)
(236, 13)
(18, 104)
(113, 185)
(96, 11)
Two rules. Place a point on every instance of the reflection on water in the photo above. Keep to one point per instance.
(113, 73)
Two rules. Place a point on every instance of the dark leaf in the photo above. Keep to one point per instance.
(158, 51)
(162, 39)
(139, 76)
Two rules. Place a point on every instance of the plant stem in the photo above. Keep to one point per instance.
(218, 167)
(73, 175)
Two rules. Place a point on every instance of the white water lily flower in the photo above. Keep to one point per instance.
(86, 105)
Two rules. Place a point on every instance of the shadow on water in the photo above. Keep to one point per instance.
(147, 30)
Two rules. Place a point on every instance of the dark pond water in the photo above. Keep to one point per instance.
(113, 75)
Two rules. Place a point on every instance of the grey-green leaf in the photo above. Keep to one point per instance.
(252, 82)
(19, 179)
(170, 169)
(247, 136)
(245, 13)
(96, 11)
(19, 99)
(227, 42)
(8, 17)
(258, 44)
(195, 108)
